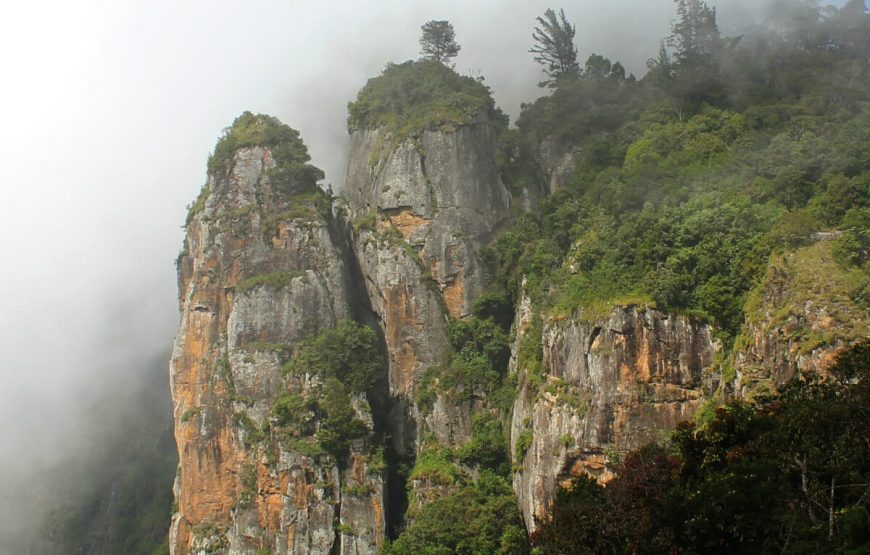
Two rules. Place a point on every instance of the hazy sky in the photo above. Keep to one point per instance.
(109, 110)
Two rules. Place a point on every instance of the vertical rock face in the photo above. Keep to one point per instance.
(441, 192)
(421, 208)
(557, 163)
(262, 270)
(267, 266)
(607, 386)
(799, 319)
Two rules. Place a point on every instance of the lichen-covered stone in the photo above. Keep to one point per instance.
(557, 163)
(442, 192)
(609, 385)
(262, 271)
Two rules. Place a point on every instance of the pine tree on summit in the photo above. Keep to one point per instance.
(438, 42)
(554, 48)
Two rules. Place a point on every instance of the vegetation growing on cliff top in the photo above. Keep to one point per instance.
(292, 173)
(410, 97)
(438, 41)
(681, 189)
(683, 186)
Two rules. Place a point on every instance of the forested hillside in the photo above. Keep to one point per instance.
(677, 191)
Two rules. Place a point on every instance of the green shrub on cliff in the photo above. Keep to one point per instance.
(348, 352)
(346, 361)
(479, 519)
(291, 173)
(416, 95)
(675, 189)
(687, 211)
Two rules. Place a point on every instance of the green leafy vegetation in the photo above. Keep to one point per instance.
(436, 465)
(786, 475)
(346, 362)
(476, 376)
(266, 346)
(487, 448)
(524, 441)
(291, 173)
(683, 186)
(726, 159)
(190, 413)
(293, 180)
(253, 434)
(273, 280)
(410, 97)
(438, 41)
(198, 205)
(479, 519)
(554, 46)
(733, 164)
(810, 276)
(479, 362)
(349, 353)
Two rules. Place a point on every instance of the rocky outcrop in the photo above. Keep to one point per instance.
(262, 270)
(801, 316)
(557, 163)
(422, 206)
(441, 192)
(597, 389)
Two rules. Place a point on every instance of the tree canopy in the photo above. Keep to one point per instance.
(438, 42)
(554, 46)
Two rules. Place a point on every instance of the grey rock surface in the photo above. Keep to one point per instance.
(610, 385)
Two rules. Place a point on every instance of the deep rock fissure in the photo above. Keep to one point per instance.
(386, 409)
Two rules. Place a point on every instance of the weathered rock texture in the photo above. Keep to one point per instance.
(261, 272)
(608, 386)
(557, 163)
(798, 320)
(422, 207)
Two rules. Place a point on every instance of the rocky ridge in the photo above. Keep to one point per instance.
(265, 269)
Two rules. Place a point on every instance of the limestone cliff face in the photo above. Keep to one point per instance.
(557, 163)
(799, 319)
(261, 271)
(266, 267)
(422, 207)
(607, 386)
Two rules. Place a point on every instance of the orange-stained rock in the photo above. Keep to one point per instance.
(611, 385)
(261, 269)
(454, 297)
(405, 221)
(438, 198)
